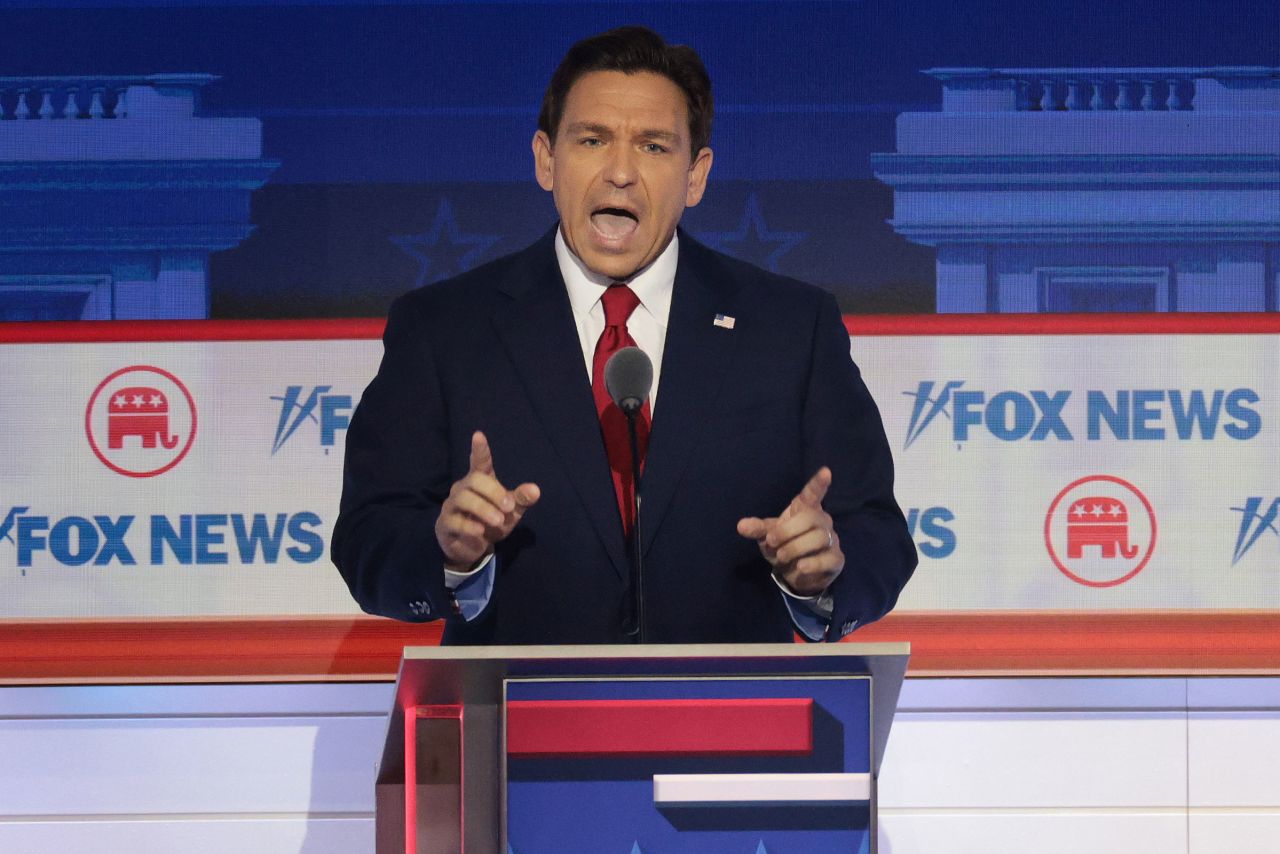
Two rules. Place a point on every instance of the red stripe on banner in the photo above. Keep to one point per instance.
(1011, 643)
(1172, 323)
(257, 649)
(127, 331)
(584, 728)
(124, 331)
(150, 649)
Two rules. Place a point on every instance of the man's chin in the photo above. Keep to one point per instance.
(619, 266)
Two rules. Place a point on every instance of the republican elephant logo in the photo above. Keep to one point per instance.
(1102, 521)
(139, 411)
(140, 421)
(1100, 531)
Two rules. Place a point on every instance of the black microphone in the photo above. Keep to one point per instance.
(628, 377)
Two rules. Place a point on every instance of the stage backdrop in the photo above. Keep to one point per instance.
(1055, 230)
(1045, 465)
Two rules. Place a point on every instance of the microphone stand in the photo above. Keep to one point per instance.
(631, 409)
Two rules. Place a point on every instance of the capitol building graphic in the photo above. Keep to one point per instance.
(1095, 189)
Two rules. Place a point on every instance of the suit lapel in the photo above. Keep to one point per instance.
(536, 328)
(695, 358)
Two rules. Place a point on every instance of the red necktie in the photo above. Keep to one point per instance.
(619, 301)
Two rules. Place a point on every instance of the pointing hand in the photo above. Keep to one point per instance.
(480, 511)
(801, 544)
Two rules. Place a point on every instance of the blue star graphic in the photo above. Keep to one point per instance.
(753, 240)
(443, 234)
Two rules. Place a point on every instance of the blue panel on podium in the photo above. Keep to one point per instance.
(801, 784)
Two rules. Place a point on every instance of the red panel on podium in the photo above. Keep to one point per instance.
(757, 727)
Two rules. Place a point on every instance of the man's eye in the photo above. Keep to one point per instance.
(592, 141)
(655, 148)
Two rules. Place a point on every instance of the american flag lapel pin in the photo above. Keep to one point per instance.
(724, 321)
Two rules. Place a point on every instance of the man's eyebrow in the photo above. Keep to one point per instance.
(598, 129)
(588, 127)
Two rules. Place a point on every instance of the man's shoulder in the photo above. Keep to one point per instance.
(754, 282)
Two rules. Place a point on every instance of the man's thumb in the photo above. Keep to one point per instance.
(527, 495)
(753, 528)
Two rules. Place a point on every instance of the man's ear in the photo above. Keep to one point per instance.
(698, 172)
(543, 161)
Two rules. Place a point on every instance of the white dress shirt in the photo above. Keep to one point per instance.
(647, 324)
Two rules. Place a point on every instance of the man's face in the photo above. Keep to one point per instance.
(620, 170)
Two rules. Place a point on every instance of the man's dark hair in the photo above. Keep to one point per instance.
(632, 50)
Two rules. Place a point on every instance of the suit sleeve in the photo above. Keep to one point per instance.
(843, 430)
(396, 475)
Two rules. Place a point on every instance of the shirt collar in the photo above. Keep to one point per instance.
(653, 284)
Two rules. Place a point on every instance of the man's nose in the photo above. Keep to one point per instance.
(620, 171)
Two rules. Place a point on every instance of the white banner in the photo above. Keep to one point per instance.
(1037, 472)
(1085, 471)
(175, 479)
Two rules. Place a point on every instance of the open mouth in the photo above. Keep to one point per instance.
(614, 223)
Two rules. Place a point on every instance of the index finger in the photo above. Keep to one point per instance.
(481, 456)
(816, 489)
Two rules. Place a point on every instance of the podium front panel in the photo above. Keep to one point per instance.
(688, 765)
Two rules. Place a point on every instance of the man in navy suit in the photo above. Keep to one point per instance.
(481, 483)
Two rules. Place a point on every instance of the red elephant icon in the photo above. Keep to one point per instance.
(1099, 521)
(139, 411)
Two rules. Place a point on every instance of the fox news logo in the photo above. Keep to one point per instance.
(200, 539)
(1254, 522)
(328, 412)
(1125, 414)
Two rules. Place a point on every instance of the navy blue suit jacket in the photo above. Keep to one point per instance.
(745, 417)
